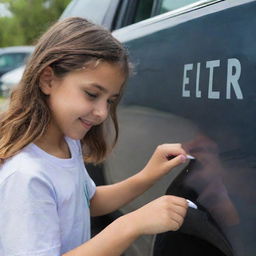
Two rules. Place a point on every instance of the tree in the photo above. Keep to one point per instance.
(30, 18)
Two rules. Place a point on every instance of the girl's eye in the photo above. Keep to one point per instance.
(110, 102)
(91, 95)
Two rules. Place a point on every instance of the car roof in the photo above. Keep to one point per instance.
(13, 49)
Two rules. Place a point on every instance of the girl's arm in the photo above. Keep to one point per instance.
(161, 215)
(111, 197)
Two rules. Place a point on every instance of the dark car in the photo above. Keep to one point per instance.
(195, 83)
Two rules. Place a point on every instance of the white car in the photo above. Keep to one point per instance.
(13, 57)
(11, 79)
(12, 64)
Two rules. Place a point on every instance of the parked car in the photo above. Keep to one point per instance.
(11, 79)
(10, 59)
(194, 83)
(13, 57)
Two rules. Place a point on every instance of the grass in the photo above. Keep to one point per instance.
(3, 103)
(2, 100)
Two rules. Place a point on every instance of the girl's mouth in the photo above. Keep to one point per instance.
(85, 123)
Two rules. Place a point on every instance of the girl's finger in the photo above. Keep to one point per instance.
(176, 161)
(180, 210)
(177, 218)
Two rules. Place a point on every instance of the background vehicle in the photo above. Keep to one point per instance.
(10, 79)
(194, 83)
(12, 58)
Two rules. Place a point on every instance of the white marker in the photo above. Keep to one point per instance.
(190, 157)
(191, 204)
(170, 157)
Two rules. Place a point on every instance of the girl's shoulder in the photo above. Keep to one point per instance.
(23, 179)
(23, 163)
(35, 163)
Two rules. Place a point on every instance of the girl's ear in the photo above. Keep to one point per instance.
(45, 80)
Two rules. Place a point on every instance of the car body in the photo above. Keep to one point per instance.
(11, 79)
(13, 57)
(194, 84)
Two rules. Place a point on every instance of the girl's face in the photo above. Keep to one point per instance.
(82, 99)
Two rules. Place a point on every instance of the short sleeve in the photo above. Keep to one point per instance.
(29, 223)
(90, 186)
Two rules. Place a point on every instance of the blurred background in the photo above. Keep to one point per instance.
(22, 21)
(21, 24)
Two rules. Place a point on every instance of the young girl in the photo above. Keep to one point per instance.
(55, 121)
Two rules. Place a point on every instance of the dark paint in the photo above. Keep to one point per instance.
(223, 181)
(220, 133)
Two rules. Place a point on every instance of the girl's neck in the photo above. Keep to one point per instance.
(60, 151)
(54, 144)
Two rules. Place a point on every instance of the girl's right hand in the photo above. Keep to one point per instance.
(161, 215)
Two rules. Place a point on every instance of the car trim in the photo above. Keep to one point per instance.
(141, 28)
(184, 9)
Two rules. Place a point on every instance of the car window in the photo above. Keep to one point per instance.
(144, 10)
(170, 5)
(92, 10)
(140, 10)
(12, 60)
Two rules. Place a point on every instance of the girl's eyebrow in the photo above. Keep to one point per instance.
(103, 89)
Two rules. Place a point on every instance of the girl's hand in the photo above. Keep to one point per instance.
(163, 214)
(165, 157)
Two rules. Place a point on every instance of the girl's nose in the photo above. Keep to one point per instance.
(101, 110)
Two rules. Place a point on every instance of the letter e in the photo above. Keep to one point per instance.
(187, 67)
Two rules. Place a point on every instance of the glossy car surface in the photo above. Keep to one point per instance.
(195, 84)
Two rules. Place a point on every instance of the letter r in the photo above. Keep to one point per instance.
(232, 78)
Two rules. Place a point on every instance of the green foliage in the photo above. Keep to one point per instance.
(30, 18)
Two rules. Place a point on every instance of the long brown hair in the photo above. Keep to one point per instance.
(67, 46)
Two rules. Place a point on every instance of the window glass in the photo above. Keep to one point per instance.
(144, 10)
(92, 10)
(12, 60)
(170, 5)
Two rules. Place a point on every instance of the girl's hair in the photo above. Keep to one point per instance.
(68, 45)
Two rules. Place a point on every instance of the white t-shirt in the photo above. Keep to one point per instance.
(44, 202)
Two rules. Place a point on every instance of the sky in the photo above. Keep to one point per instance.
(4, 10)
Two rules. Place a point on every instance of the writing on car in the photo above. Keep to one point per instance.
(231, 84)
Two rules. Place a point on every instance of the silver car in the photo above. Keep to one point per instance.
(12, 58)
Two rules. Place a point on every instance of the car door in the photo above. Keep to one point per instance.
(194, 83)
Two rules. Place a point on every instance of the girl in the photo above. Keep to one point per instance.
(56, 120)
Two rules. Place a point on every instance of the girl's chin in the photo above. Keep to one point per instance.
(77, 136)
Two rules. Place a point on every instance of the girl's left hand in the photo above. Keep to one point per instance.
(165, 157)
